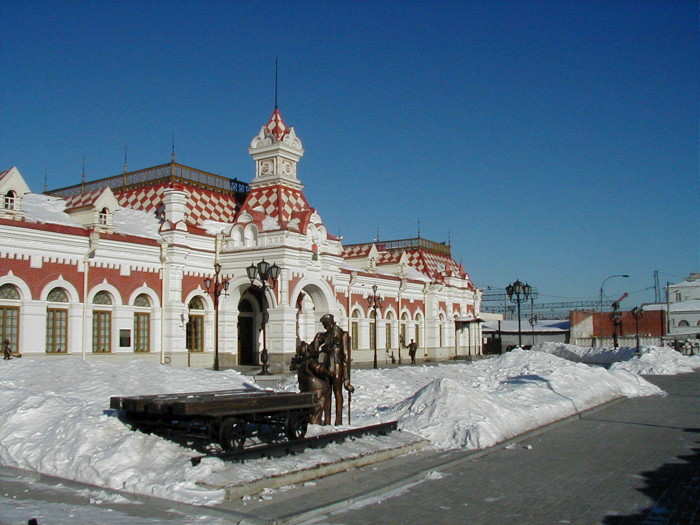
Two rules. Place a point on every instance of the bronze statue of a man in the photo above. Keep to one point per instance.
(334, 343)
(313, 377)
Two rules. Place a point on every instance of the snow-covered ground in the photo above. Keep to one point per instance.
(55, 417)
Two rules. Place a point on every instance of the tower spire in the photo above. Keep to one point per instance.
(172, 152)
(276, 83)
(126, 166)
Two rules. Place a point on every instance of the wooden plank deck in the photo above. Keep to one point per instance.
(214, 404)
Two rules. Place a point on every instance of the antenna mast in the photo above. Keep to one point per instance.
(275, 82)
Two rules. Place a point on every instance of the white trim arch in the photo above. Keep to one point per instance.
(105, 287)
(25, 293)
(326, 303)
(73, 295)
(250, 235)
(152, 295)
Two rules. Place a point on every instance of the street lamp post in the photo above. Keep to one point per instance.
(616, 317)
(533, 322)
(375, 301)
(518, 292)
(603, 284)
(218, 286)
(637, 313)
(265, 272)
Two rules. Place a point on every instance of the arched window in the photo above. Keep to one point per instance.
(404, 321)
(9, 315)
(419, 319)
(10, 200)
(195, 326)
(355, 330)
(683, 324)
(389, 330)
(57, 321)
(441, 330)
(142, 323)
(102, 323)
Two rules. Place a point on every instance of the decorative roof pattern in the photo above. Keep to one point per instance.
(201, 205)
(279, 202)
(83, 200)
(356, 250)
(434, 265)
(276, 125)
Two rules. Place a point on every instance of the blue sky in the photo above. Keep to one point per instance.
(551, 141)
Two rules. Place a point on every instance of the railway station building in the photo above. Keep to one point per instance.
(154, 264)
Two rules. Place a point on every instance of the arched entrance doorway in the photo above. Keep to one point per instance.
(311, 304)
(247, 337)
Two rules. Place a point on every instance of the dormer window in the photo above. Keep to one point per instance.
(9, 200)
(104, 217)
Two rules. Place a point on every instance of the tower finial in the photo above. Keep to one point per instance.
(172, 153)
(46, 180)
(275, 82)
(126, 166)
(419, 228)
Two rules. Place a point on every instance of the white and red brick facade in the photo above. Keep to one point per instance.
(115, 268)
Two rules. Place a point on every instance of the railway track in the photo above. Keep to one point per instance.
(295, 446)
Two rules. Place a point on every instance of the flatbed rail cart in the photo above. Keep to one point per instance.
(227, 417)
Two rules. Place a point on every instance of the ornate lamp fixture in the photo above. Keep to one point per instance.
(375, 301)
(518, 292)
(216, 288)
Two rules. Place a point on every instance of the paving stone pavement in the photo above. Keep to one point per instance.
(633, 462)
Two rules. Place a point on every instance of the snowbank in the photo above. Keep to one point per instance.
(586, 354)
(655, 360)
(652, 360)
(55, 416)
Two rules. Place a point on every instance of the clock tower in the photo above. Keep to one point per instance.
(276, 151)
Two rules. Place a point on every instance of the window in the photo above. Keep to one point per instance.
(683, 324)
(355, 329)
(9, 201)
(102, 324)
(142, 324)
(57, 322)
(9, 315)
(404, 318)
(195, 326)
(104, 217)
(388, 330)
(441, 327)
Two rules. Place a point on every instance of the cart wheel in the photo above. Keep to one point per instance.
(296, 425)
(232, 434)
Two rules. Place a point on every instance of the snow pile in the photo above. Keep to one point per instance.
(599, 355)
(55, 416)
(46, 209)
(136, 222)
(478, 405)
(655, 360)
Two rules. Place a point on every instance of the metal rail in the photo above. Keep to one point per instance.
(299, 445)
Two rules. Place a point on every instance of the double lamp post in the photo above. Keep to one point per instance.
(218, 286)
(517, 293)
(264, 271)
